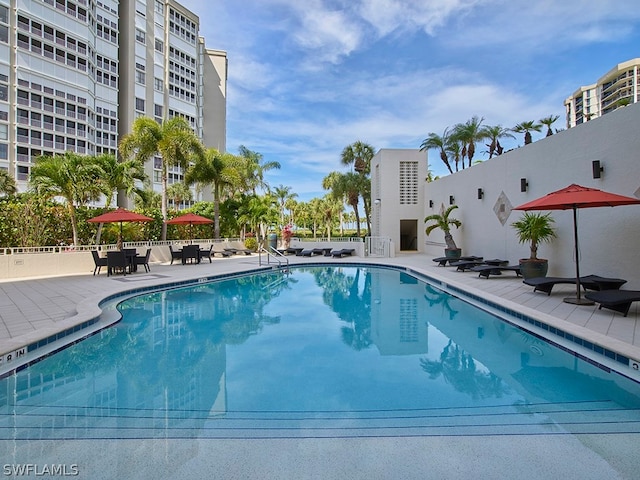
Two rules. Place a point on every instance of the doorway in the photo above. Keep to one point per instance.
(408, 235)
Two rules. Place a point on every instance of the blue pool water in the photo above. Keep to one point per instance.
(332, 351)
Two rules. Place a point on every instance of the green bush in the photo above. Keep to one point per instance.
(251, 243)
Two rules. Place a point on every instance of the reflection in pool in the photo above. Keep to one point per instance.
(332, 351)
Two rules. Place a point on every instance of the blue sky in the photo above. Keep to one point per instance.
(309, 77)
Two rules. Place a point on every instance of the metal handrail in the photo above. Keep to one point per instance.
(272, 252)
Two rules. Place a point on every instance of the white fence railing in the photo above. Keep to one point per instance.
(378, 247)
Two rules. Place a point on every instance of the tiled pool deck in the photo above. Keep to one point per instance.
(37, 308)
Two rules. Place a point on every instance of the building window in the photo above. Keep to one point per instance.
(408, 183)
(4, 151)
(140, 77)
(159, 46)
(4, 93)
(158, 110)
(159, 7)
(158, 84)
(139, 104)
(140, 36)
(4, 132)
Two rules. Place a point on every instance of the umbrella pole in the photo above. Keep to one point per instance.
(577, 300)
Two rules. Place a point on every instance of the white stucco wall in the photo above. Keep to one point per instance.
(385, 187)
(609, 237)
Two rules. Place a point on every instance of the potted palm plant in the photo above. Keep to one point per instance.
(443, 222)
(535, 228)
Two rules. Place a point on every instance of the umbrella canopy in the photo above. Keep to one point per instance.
(120, 215)
(189, 219)
(574, 197)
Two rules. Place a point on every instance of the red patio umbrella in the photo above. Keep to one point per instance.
(189, 219)
(574, 197)
(120, 215)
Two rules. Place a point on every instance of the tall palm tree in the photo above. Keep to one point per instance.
(359, 154)
(495, 133)
(345, 187)
(526, 128)
(221, 171)
(173, 140)
(70, 176)
(283, 193)
(548, 121)
(119, 175)
(454, 150)
(438, 142)
(468, 134)
(255, 169)
(7, 183)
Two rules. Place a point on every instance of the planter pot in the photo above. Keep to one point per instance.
(452, 252)
(533, 268)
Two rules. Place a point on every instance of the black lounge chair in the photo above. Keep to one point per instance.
(312, 252)
(143, 260)
(343, 252)
(487, 270)
(223, 253)
(191, 254)
(464, 265)
(442, 261)
(294, 250)
(588, 282)
(616, 300)
(98, 261)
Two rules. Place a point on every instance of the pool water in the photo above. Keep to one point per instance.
(321, 352)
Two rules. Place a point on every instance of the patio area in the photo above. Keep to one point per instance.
(37, 307)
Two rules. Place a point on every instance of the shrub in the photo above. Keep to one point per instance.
(251, 243)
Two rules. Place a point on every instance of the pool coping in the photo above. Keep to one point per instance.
(92, 315)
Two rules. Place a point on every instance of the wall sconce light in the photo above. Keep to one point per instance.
(451, 200)
(377, 201)
(430, 203)
(597, 169)
(480, 194)
(523, 184)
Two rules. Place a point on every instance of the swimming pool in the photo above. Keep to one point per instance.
(318, 352)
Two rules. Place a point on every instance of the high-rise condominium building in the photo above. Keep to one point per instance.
(74, 74)
(617, 88)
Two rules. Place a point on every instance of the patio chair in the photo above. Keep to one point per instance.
(220, 251)
(143, 260)
(343, 252)
(98, 261)
(204, 253)
(588, 282)
(312, 252)
(175, 254)
(616, 300)
(486, 270)
(117, 262)
(190, 253)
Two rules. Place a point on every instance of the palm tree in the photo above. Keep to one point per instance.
(443, 222)
(495, 133)
(359, 154)
(173, 140)
(469, 133)
(119, 175)
(179, 192)
(345, 187)
(70, 176)
(283, 194)
(7, 183)
(219, 170)
(254, 169)
(454, 150)
(437, 142)
(548, 121)
(526, 128)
